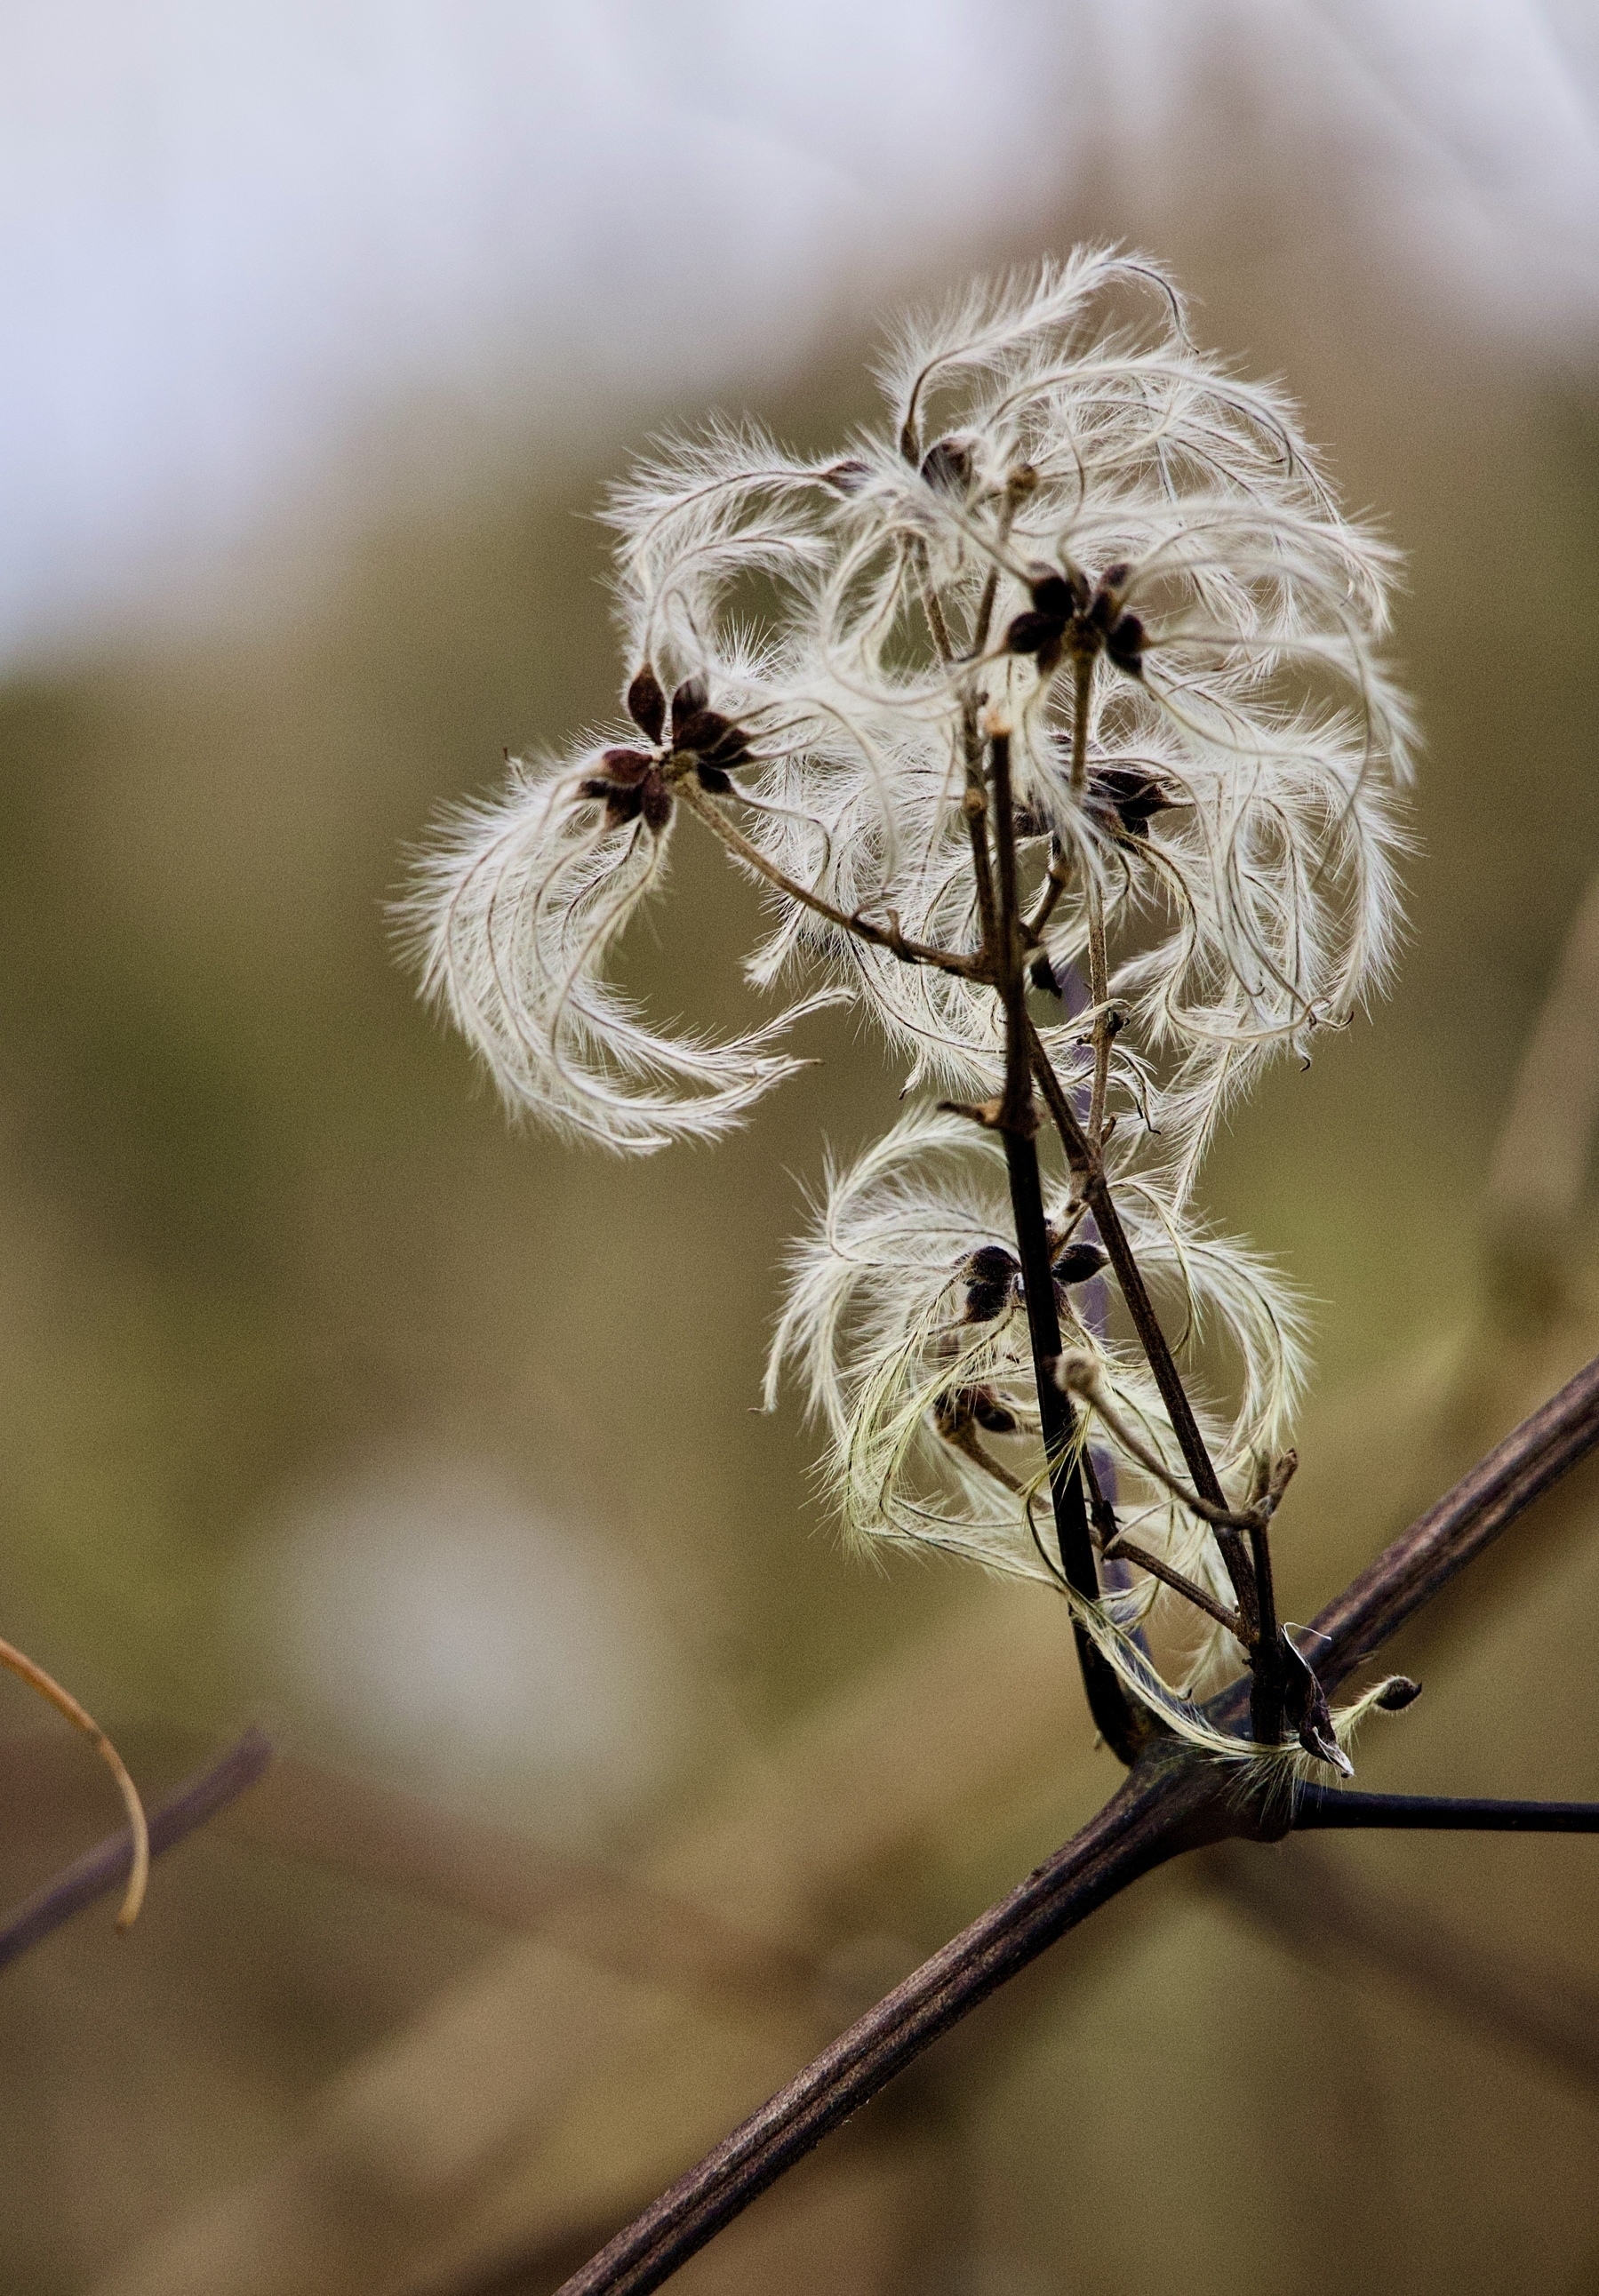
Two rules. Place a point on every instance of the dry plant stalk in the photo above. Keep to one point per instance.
(17, 1662)
(1052, 721)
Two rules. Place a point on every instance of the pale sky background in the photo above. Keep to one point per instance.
(241, 240)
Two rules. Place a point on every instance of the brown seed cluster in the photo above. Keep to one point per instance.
(636, 784)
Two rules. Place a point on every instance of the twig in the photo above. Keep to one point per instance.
(1086, 1165)
(1317, 1807)
(29, 1671)
(1123, 1550)
(889, 936)
(1114, 1715)
(100, 1870)
(1079, 1373)
(1169, 1802)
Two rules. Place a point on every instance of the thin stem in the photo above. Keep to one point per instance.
(1018, 1121)
(1123, 1730)
(909, 952)
(1089, 1173)
(967, 1441)
(1017, 1113)
(1082, 696)
(1320, 1807)
(1121, 1549)
(1080, 1376)
(1099, 991)
(974, 806)
(1266, 1696)
(101, 1869)
(1054, 885)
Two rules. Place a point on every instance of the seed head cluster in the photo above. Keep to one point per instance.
(1077, 536)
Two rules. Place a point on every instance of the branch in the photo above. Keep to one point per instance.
(102, 1869)
(1121, 1549)
(1169, 1802)
(1321, 1807)
(1423, 1560)
(1114, 1715)
(1089, 1173)
(1139, 1829)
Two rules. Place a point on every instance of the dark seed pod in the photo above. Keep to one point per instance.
(690, 699)
(991, 1414)
(1131, 795)
(656, 802)
(1034, 634)
(699, 730)
(646, 704)
(848, 477)
(947, 465)
(991, 1263)
(1125, 645)
(1051, 593)
(712, 778)
(621, 805)
(1041, 972)
(1079, 1262)
(1395, 1696)
(626, 766)
(990, 1274)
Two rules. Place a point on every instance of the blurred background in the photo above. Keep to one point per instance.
(610, 1787)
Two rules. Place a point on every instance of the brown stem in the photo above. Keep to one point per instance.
(1123, 1550)
(889, 936)
(1266, 1656)
(1254, 1594)
(1089, 1173)
(1017, 1113)
(1114, 1717)
(1139, 1829)
(1054, 885)
(1099, 991)
(966, 1440)
(1170, 1801)
(974, 806)
(1082, 694)
(1080, 1374)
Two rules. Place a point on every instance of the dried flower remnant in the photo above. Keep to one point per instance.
(1069, 674)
